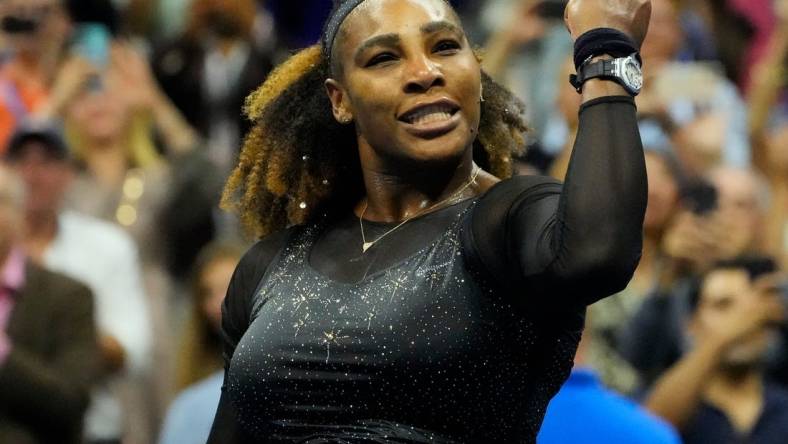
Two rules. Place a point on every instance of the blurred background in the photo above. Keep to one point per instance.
(121, 119)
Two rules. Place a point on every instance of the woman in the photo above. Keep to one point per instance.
(200, 374)
(200, 345)
(415, 298)
(110, 115)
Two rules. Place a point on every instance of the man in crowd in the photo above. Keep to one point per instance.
(717, 391)
(654, 338)
(95, 252)
(45, 373)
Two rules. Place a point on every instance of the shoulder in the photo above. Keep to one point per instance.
(616, 419)
(190, 414)
(248, 274)
(257, 259)
(68, 289)
(199, 393)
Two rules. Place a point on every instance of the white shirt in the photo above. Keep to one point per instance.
(105, 258)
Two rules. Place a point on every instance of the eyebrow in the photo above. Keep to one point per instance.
(379, 40)
(442, 25)
(393, 39)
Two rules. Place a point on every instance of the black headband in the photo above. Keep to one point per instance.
(338, 15)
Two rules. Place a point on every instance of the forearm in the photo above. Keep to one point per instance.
(598, 238)
(678, 392)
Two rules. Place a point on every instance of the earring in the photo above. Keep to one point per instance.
(346, 119)
(481, 93)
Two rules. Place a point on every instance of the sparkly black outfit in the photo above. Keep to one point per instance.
(457, 327)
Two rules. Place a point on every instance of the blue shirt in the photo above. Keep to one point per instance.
(710, 425)
(584, 411)
(190, 416)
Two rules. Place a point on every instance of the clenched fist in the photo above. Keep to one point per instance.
(628, 16)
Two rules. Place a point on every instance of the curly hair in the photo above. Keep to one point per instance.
(298, 162)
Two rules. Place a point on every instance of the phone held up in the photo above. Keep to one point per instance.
(92, 42)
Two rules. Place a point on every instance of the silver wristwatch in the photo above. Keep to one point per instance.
(625, 71)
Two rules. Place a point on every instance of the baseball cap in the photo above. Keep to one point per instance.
(48, 133)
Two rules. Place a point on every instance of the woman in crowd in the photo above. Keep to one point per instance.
(110, 116)
(200, 345)
(403, 292)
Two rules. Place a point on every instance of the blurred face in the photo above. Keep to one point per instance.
(214, 281)
(46, 178)
(409, 80)
(51, 24)
(700, 143)
(102, 115)
(662, 193)
(724, 295)
(664, 33)
(738, 201)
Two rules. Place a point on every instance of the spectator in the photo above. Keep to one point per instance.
(35, 31)
(200, 368)
(45, 373)
(95, 252)
(717, 391)
(200, 346)
(110, 115)
(691, 98)
(121, 176)
(586, 412)
(210, 70)
(769, 129)
(653, 339)
(526, 53)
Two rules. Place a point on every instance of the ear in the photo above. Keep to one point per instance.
(340, 104)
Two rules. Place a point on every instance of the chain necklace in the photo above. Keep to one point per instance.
(367, 245)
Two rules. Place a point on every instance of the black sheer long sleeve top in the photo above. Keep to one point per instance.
(458, 326)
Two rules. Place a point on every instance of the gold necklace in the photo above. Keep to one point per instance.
(367, 245)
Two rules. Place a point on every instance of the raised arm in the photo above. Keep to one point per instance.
(585, 238)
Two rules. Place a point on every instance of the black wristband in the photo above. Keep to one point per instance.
(600, 41)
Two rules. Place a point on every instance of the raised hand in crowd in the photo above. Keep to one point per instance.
(729, 328)
(139, 89)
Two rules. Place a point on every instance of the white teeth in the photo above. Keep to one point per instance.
(430, 114)
(422, 119)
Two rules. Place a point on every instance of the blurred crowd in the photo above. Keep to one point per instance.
(120, 120)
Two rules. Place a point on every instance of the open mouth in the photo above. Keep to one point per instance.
(430, 113)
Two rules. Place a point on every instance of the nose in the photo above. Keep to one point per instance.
(422, 75)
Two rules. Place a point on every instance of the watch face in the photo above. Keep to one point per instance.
(632, 74)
